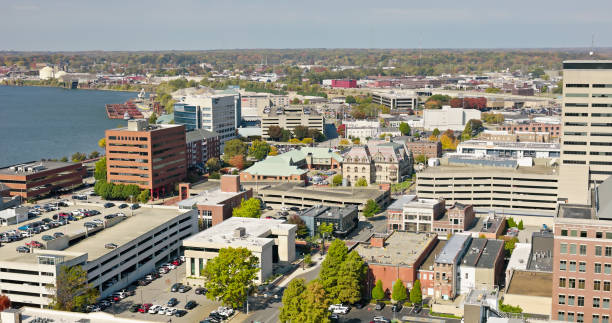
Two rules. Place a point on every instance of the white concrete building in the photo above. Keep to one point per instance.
(217, 112)
(505, 149)
(271, 241)
(448, 118)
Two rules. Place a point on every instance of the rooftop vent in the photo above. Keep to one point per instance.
(239, 232)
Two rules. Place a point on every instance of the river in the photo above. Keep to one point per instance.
(44, 122)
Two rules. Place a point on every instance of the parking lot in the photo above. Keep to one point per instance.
(158, 293)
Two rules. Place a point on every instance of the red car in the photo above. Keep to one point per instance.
(145, 308)
(176, 262)
(34, 244)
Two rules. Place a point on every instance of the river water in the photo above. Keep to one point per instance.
(41, 122)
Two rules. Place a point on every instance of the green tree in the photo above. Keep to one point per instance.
(350, 99)
(511, 223)
(302, 229)
(361, 182)
(234, 147)
(520, 226)
(286, 135)
(420, 159)
(377, 292)
(153, 118)
(300, 132)
(436, 132)
(467, 131)
(416, 295)
(337, 180)
(94, 154)
(102, 143)
(71, 291)
(248, 209)
(351, 275)
(213, 164)
(330, 267)
(144, 196)
(259, 149)
(404, 128)
(371, 208)
(131, 191)
(100, 171)
(510, 245)
(307, 260)
(118, 192)
(291, 311)
(326, 229)
(230, 275)
(398, 292)
(78, 157)
(275, 132)
(295, 101)
(492, 90)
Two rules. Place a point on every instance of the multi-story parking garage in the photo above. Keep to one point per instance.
(143, 239)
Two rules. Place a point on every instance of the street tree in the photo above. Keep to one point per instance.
(377, 292)
(71, 291)
(404, 128)
(259, 149)
(416, 295)
(362, 182)
(304, 303)
(102, 143)
(351, 275)
(398, 293)
(337, 180)
(230, 276)
(302, 229)
(371, 208)
(144, 196)
(248, 209)
(300, 132)
(213, 164)
(237, 161)
(100, 171)
(292, 301)
(326, 229)
(275, 132)
(234, 147)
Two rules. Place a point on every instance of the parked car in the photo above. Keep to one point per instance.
(134, 308)
(175, 287)
(161, 310)
(180, 313)
(34, 244)
(338, 309)
(47, 237)
(184, 289)
(134, 206)
(58, 234)
(23, 249)
(153, 309)
(170, 311)
(200, 291)
(108, 204)
(396, 307)
(145, 308)
(163, 270)
(380, 319)
(122, 206)
(379, 306)
(190, 305)
(172, 302)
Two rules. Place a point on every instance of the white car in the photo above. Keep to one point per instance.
(182, 258)
(169, 266)
(380, 319)
(162, 311)
(171, 311)
(338, 309)
(153, 309)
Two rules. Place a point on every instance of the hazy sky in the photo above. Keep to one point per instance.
(200, 24)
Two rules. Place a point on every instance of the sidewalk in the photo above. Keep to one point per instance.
(317, 260)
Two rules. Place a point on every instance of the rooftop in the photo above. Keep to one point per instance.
(453, 247)
(500, 171)
(510, 145)
(199, 134)
(576, 211)
(429, 261)
(541, 256)
(256, 233)
(520, 256)
(398, 205)
(32, 167)
(361, 194)
(491, 224)
(401, 249)
(530, 283)
(329, 212)
(213, 197)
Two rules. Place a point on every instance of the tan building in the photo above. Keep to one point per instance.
(586, 144)
(378, 162)
(514, 190)
(290, 117)
(150, 156)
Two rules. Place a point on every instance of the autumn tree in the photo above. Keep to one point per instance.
(304, 303)
(259, 149)
(102, 143)
(213, 164)
(300, 132)
(71, 291)
(448, 140)
(275, 132)
(230, 276)
(237, 161)
(302, 229)
(5, 302)
(234, 147)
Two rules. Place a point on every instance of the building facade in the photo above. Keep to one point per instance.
(552, 128)
(150, 156)
(201, 146)
(410, 213)
(504, 149)
(399, 102)
(425, 147)
(343, 219)
(344, 84)
(458, 218)
(448, 118)
(290, 117)
(378, 162)
(36, 179)
(446, 267)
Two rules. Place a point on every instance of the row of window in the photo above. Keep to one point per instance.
(570, 300)
(571, 283)
(580, 317)
(585, 234)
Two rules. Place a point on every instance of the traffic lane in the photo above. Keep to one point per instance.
(367, 314)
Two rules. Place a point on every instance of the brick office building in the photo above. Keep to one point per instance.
(36, 179)
(396, 256)
(582, 267)
(446, 266)
(458, 218)
(150, 156)
(552, 128)
(201, 146)
(216, 206)
(427, 148)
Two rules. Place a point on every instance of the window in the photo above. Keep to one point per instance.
(580, 300)
(562, 265)
(564, 233)
(193, 266)
(574, 233)
(581, 283)
(572, 283)
(572, 266)
(596, 285)
(605, 319)
(606, 286)
(608, 251)
(595, 318)
(583, 234)
(572, 249)
(607, 269)
(582, 267)
(563, 248)
(561, 316)
(596, 302)
(598, 268)
(597, 250)
(570, 300)
(561, 299)
(608, 235)
(583, 250)
(605, 303)
(570, 316)
(562, 282)
(580, 317)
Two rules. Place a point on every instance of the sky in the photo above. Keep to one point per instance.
(74, 25)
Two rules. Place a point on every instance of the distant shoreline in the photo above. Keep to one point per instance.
(61, 87)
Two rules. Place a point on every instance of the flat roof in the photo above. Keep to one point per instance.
(429, 261)
(325, 193)
(489, 171)
(520, 256)
(214, 197)
(256, 232)
(489, 254)
(144, 220)
(401, 248)
(511, 145)
(541, 256)
(329, 212)
(32, 167)
(576, 211)
(452, 248)
(398, 205)
(529, 283)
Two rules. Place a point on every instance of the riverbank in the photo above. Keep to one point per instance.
(60, 86)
